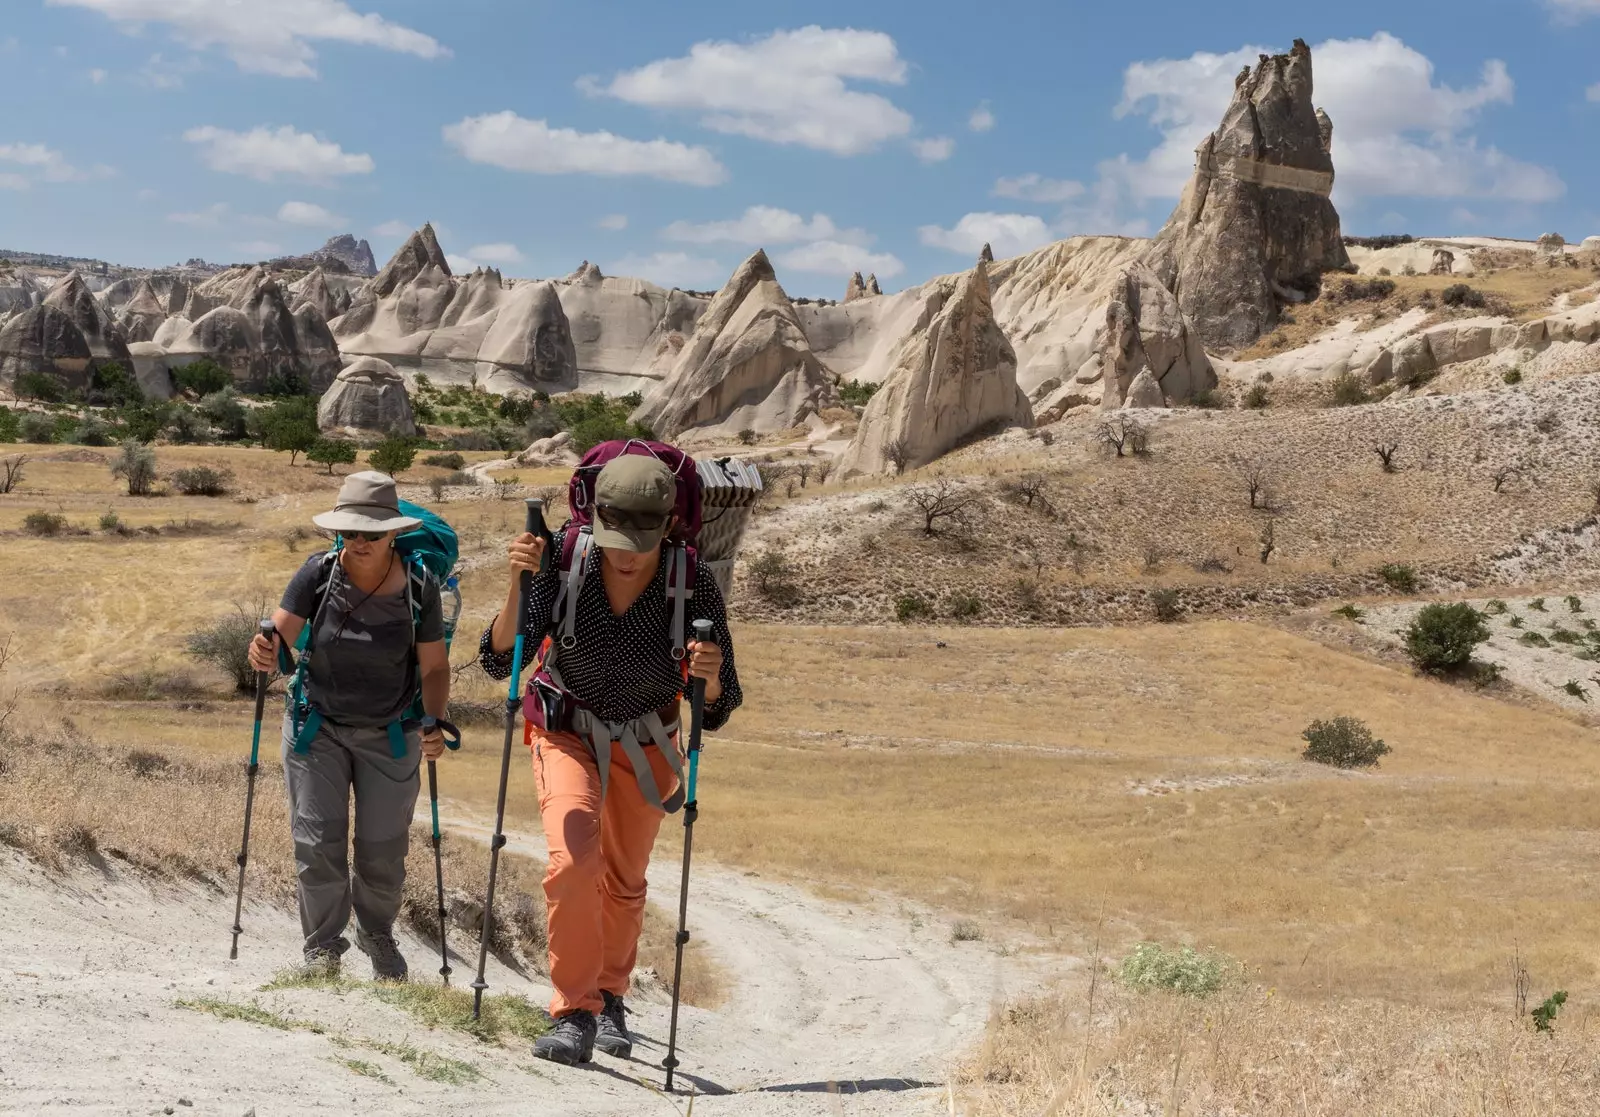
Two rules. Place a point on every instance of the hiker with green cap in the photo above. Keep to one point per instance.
(607, 761)
(377, 637)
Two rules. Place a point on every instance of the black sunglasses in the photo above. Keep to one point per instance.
(369, 536)
(620, 518)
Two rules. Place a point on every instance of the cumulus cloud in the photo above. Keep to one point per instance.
(671, 269)
(40, 162)
(264, 38)
(259, 248)
(461, 265)
(393, 229)
(267, 153)
(504, 139)
(764, 225)
(787, 88)
(10, 180)
(209, 218)
(934, 150)
(1593, 92)
(1036, 188)
(981, 120)
(500, 253)
(1006, 233)
(310, 215)
(1572, 11)
(97, 76)
(832, 257)
(1397, 131)
(615, 222)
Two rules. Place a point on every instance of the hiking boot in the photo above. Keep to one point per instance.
(388, 964)
(611, 1030)
(321, 964)
(571, 1041)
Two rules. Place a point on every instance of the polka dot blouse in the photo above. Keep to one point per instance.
(622, 666)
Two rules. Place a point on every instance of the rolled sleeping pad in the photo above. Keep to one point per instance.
(729, 490)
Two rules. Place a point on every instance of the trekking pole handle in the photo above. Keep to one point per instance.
(268, 630)
(535, 525)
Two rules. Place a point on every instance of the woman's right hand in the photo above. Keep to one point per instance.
(525, 553)
(264, 653)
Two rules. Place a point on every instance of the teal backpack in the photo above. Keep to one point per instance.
(429, 551)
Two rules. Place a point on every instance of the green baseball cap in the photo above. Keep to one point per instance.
(634, 497)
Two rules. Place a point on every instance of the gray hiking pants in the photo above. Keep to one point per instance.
(339, 759)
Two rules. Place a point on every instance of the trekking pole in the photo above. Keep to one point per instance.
(691, 811)
(269, 632)
(438, 857)
(535, 524)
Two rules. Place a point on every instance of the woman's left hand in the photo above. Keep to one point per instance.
(705, 662)
(432, 743)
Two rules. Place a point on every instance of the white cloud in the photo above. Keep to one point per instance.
(265, 38)
(310, 215)
(45, 162)
(1593, 92)
(616, 222)
(11, 181)
(671, 269)
(832, 257)
(158, 73)
(496, 253)
(1007, 234)
(149, 195)
(260, 248)
(934, 150)
(461, 265)
(393, 229)
(1572, 11)
(504, 139)
(1396, 131)
(209, 218)
(97, 76)
(787, 88)
(266, 153)
(981, 120)
(764, 225)
(1461, 215)
(1036, 188)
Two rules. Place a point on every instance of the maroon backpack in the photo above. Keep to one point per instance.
(580, 490)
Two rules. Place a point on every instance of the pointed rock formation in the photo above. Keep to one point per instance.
(986, 254)
(586, 273)
(954, 378)
(258, 338)
(44, 339)
(72, 297)
(855, 289)
(315, 292)
(1144, 391)
(872, 285)
(18, 291)
(367, 397)
(1256, 212)
(356, 255)
(747, 366)
(480, 294)
(530, 343)
(420, 253)
(1146, 331)
(143, 314)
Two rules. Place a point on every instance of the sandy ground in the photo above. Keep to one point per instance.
(834, 1008)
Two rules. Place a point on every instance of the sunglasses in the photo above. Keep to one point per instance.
(619, 518)
(369, 536)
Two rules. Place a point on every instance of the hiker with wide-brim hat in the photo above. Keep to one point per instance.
(618, 685)
(377, 637)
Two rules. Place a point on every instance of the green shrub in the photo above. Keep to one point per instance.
(964, 606)
(331, 452)
(290, 426)
(202, 480)
(773, 575)
(1533, 640)
(1459, 294)
(44, 523)
(226, 415)
(1208, 399)
(747, 437)
(1255, 397)
(393, 455)
(445, 461)
(286, 385)
(92, 431)
(856, 393)
(1512, 376)
(109, 520)
(38, 427)
(1561, 635)
(145, 422)
(1544, 1016)
(1537, 604)
(137, 465)
(202, 378)
(1349, 612)
(1494, 607)
(966, 930)
(1574, 603)
(112, 385)
(517, 407)
(226, 645)
(1359, 289)
(912, 606)
(1183, 970)
(1344, 742)
(1575, 688)
(44, 387)
(10, 425)
(1442, 637)
(186, 426)
(1398, 577)
(1168, 605)
(1347, 390)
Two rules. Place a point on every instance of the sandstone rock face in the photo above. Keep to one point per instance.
(1146, 330)
(367, 396)
(986, 254)
(481, 294)
(44, 339)
(314, 292)
(355, 255)
(18, 291)
(420, 253)
(855, 289)
(1144, 391)
(143, 313)
(257, 337)
(872, 285)
(747, 365)
(1444, 262)
(954, 378)
(1256, 211)
(530, 343)
(71, 296)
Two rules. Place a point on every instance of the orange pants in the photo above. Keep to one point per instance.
(595, 882)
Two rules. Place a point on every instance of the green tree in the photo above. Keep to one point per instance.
(42, 386)
(112, 385)
(10, 425)
(202, 378)
(146, 421)
(290, 426)
(226, 415)
(1442, 637)
(137, 465)
(332, 452)
(38, 427)
(393, 455)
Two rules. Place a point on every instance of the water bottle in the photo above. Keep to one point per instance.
(450, 604)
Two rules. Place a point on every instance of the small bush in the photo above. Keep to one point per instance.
(393, 455)
(44, 523)
(1208, 399)
(1346, 390)
(137, 465)
(1459, 294)
(1544, 1016)
(225, 644)
(1442, 637)
(41, 386)
(1398, 577)
(110, 521)
(1560, 635)
(202, 480)
(38, 428)
(1494, 607)
(226, 415)
(1533, 640)
(912, 606)
(449, 460)
(202, 378)
(1537, 604)
(965, 930)
(856, 393)
(10, 425)
(1575, 688)
(964, 606)
(1350, 612)
(1574, 603)
(1343, 742)
(1358, 290)
(1256, 397)
(1184, 970)
(1167, 604)
(1512, 376)
(747, 437)
(773, 574)
(462, 479)
(331, 452)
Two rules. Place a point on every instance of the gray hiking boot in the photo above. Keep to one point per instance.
(321, 964)
(571, 1041)
(611, 1030)
(388, 964)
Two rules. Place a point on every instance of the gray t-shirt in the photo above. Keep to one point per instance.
(363, 671)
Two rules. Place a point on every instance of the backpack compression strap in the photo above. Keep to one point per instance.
(574, 572)
(679, 591)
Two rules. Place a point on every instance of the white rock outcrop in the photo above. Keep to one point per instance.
(368, 396)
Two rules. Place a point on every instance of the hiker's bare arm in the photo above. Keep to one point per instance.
(434, 663)
(264, 652)
(524, 555)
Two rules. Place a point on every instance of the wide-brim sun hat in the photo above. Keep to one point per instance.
(634, 483)
(368, 501)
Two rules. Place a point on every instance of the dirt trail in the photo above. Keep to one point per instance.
(832, 1009)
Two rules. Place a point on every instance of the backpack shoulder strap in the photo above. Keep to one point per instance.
(680, 589)
(577, 550)
(329, 560)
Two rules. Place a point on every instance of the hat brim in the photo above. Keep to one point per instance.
(628, 539)
(355, 521)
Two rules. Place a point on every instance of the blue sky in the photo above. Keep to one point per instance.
(669, 140)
